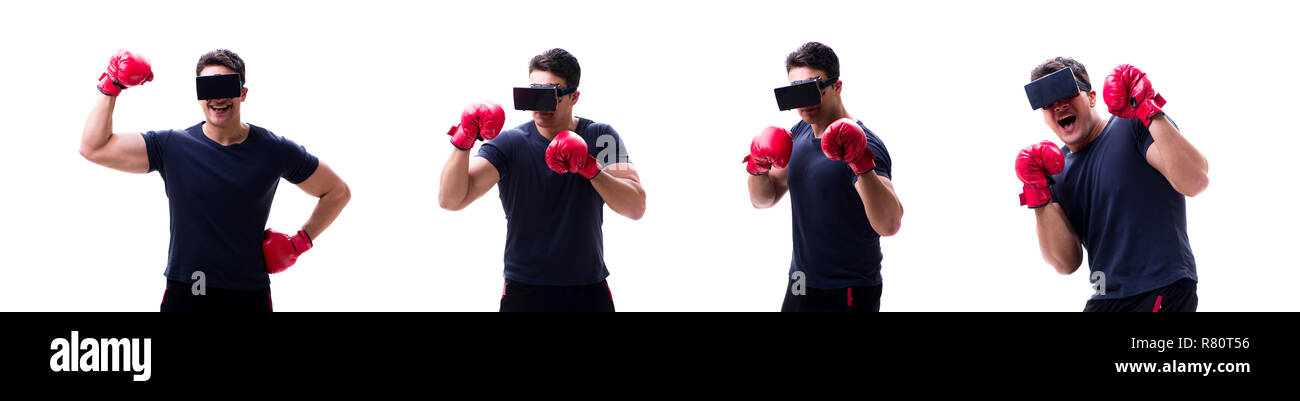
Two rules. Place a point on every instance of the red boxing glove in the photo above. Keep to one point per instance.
(125, 70)
(770, 148)
(481, 120)
(845, 140)
(1128, 94)
(281, 251)
(1035, 166)
(567, 153)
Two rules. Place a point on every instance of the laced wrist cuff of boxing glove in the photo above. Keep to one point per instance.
(1051, 195)
(750, 166)
(1149, 109)
(459, 139)
(307, 236)
(1051, 198)
(862, 166)
(591, 170)
(109, 87)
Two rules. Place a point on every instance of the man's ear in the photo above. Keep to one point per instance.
(1092, 99)
(575, 96)
(243, 94)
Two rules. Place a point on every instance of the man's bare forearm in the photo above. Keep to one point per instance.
(1056, 240)
(623, 192)
(99, 125)
(327, 209)
(1184, 166)
(454, 184)
(884, 211)
(763, 191)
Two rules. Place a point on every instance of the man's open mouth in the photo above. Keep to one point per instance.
(1067, 123)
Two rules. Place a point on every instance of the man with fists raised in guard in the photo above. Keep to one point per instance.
(838, 175)
(1117, 188)
(555, 174)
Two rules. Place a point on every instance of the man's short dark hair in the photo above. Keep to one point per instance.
(222, 57)
(816, 56)
(1057, 64)
(559, 62)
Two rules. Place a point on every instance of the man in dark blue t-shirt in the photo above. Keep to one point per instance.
(841, 195)
(220, 177)
(553, 188)
(1117, 188)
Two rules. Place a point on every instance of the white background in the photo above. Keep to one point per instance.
(370, 87)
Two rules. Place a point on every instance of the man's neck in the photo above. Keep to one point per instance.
(820, 127)
(551, 132)
(226, 135)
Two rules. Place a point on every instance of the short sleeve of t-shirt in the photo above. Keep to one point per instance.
(884, 165)
(155, 144)
(1142, 134)
(497, 150)
(298, 164)
(607, 145)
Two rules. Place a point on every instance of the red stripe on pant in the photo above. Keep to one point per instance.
(1158, 299)
(850, 296)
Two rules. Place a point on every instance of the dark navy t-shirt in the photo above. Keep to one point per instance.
(1127, 215)
(834, 244)
(219, 197)
(553, 221)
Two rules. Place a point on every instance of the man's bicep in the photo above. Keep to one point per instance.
(321, 181)
(124, 151)
(482, 176)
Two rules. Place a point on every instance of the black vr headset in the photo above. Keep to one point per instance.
(803, 93)
(219, 86)
(1053, 87)
(540, 97)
